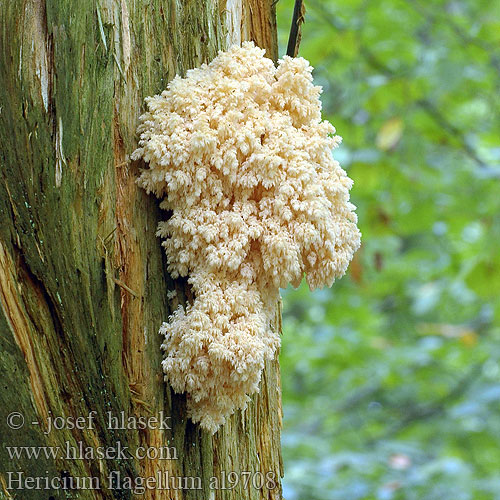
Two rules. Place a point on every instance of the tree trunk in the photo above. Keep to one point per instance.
(83, 287)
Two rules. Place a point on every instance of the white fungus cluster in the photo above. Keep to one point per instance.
(240, 156)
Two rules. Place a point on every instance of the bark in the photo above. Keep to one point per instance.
(83, 287)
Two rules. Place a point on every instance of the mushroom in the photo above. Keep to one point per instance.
(239, 154)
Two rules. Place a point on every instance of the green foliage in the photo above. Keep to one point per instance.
(391, 379)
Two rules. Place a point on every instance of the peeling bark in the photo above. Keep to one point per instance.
(83, 287)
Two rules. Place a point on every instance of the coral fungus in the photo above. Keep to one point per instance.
(239, 153)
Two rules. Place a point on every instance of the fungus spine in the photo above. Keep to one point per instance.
(239, 154)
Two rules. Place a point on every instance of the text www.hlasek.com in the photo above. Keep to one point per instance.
(82, 452)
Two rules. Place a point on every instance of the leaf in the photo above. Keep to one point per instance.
(390, 134)
(469, 338)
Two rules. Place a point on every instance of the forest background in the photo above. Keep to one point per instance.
(391, 379)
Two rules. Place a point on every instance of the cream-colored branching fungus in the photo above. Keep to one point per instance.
(239, 153)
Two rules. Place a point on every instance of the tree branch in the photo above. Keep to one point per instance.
(295, 29)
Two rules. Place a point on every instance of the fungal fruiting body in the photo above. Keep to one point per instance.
(239, 154)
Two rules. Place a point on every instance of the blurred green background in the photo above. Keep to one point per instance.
(391, 379)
